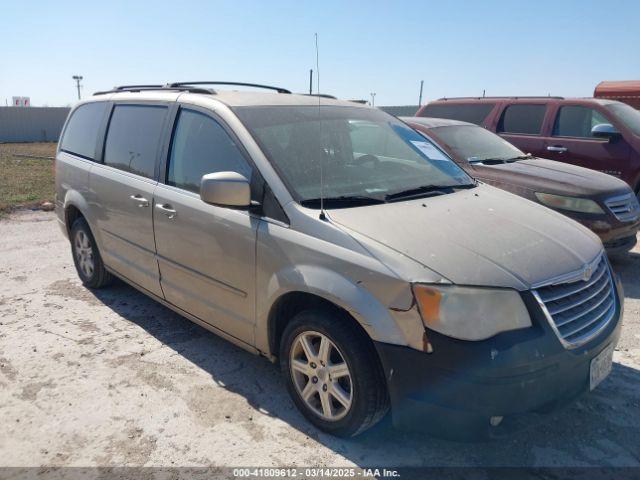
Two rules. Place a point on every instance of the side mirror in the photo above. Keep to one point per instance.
(605, 130)
(226, 189)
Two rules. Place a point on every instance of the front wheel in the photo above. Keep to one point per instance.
(333, 373)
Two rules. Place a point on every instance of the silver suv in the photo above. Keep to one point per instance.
(333, 238)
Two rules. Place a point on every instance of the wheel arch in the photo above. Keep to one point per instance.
(304, 287)
(290, 304)
(75, 206)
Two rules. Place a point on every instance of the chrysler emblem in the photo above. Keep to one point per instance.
(586, 273)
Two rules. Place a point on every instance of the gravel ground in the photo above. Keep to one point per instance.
(112, 378)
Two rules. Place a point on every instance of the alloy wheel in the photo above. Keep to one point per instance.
(84, 253)
(321, 375)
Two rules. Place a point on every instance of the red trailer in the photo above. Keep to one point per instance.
(627, 91)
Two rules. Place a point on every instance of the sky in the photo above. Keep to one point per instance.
(458, 48)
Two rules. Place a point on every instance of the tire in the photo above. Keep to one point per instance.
(86, 256)
(364, 385)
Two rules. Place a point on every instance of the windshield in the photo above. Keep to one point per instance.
(627, 115)
(476, 144)
(364, 154)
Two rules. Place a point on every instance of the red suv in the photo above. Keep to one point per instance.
(599, 134)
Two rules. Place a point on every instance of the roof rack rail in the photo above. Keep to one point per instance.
(238, 84)
(187, 87)
(140, 88)
(514, 97)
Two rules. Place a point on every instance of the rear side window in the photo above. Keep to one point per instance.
(133, 138)
(523, 119)
(81, 134)
(472, 113)
(575, 121)
(201, 146)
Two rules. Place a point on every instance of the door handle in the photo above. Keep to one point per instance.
(166, 209)
(140, 200)
(557, 149)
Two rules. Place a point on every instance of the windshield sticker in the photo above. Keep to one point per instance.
(429, 150)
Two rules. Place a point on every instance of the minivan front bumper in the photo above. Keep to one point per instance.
(455, 390)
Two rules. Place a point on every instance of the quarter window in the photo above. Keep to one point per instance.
(522, 119)
(81, 134)
(576, 121)
(201, 146)
(134, 138)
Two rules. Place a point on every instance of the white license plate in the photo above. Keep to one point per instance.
(600, 367)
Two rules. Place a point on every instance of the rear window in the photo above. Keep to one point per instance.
(134, 137)
(81, 134)
(523, 119)
(472, 113)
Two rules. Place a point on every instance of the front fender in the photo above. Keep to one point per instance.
(354, 281)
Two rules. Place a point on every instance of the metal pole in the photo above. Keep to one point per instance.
(373, 99)
(77, 78)
(310, 81)
(420, 99)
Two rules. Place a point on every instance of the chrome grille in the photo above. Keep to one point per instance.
(579, 309)
(624, 207)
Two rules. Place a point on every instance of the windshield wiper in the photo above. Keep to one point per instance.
(426, 191)
(520, 157)
(488, 161)
(498, 160)
(341, 201)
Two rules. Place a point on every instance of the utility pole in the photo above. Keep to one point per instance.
(310, 81)
(420, 98)
(373, 99)
(77, 78)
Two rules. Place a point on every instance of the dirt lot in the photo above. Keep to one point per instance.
(114, 378)
(26, 174)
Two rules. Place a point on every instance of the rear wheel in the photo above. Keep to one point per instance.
(333, 372)
(86, 256)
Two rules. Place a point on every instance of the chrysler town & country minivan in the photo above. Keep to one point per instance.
(371, 267)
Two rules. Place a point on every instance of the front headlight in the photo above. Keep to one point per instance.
(470, 313)
(573, 204)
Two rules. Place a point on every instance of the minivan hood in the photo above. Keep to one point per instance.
(549, 176)
(482, 236)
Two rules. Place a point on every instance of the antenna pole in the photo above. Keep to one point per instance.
(322, 214)
(310, 81)
(420, 98)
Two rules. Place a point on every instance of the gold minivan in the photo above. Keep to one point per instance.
(334, 239)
